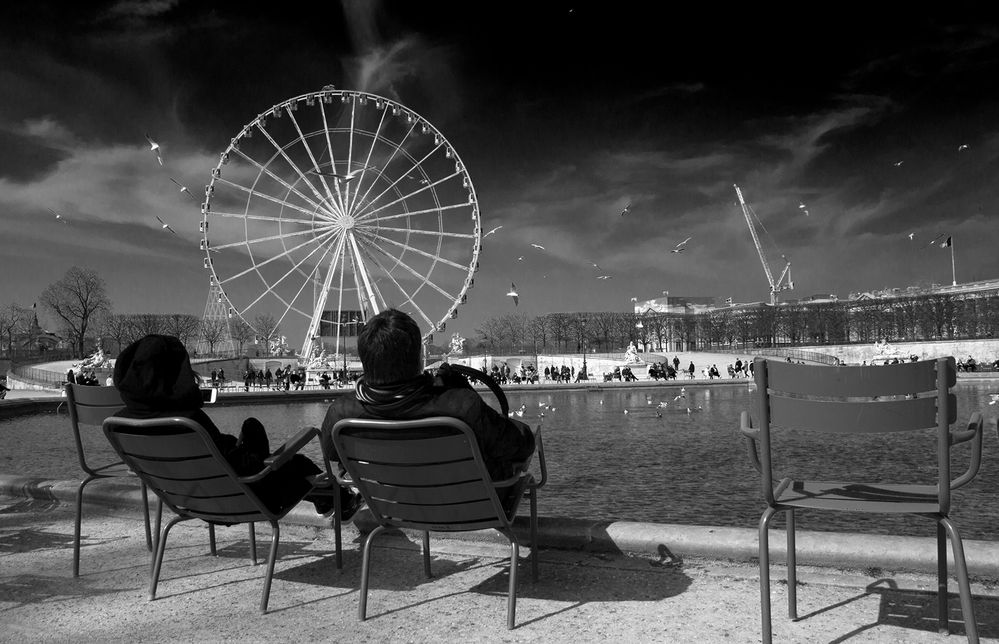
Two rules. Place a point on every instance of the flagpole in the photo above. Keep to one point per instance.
(953, 272)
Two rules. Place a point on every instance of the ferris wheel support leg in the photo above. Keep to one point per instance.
(320, 304)
(359, 263)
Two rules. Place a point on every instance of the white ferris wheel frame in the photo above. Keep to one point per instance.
(339, 237)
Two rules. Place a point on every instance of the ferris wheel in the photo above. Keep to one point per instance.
(335, 205)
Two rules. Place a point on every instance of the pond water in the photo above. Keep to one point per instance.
(686, 468)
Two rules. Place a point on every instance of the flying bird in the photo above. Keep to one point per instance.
(995, 398)
(898, 164)
(806, 213)
(595, 265)
(682, 246)
(491, 231)
(911, 235)
(344, 178)
(513, 294)
(520, 259)
(154, 147)
(603, 277)
(183, 188)
(634, 299)
(538, 246)
(801, 205)
(165, 225)
(58, 216)
(963, 146)
(626, 210)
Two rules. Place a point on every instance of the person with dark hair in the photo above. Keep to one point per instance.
(156, 380)
(394, 386)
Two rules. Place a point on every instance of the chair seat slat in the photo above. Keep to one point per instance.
(861, 497)
(476, 512)
(408, 475)
(853, 417)
(445, 493)
(395, 450)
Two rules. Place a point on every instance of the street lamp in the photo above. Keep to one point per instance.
(585, 374)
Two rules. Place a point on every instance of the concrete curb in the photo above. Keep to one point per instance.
(840, 550)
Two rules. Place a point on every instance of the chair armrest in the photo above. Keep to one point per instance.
(283, 454)
(974, 432)
(520, 470)
(751, 434)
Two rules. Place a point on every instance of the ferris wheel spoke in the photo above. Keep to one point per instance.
(281, 220)
(276, 257)
(396, 147)
(412, 271)
(295, 268)
(320, 304)
(329, 148)
(377, 138)
(413, 249)
(411, 213)
(312, 157)
(367, 214)
(260, 240)
(421, 231)
(391, 278)
(287, 204)
(280, 150)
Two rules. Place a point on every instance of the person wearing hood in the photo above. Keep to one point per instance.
(156, 380)
(394, 386)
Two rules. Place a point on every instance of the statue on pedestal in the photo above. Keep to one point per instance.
(631, 354)
(96, 360)
(457, 345)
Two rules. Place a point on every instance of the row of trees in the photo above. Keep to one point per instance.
(80, 304)
(912, 318)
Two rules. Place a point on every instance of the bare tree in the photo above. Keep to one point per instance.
(241, 333)
(78, 300)
(148, 324)
(119, 327)
(266, 327)
(183, 325)
(212, 332)
(12, 318)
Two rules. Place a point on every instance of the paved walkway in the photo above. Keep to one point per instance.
(580, 597)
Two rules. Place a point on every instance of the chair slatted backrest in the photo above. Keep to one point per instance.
(90, 406)
(177, 459)
(426, 474)
(908, 396)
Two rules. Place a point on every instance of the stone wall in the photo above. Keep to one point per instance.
(984, 351)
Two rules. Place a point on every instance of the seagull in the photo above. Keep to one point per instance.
(538, 246)
(603, 277)
(682, 246)
(595, 265)
(634, 299)
(963, 146)
(513, 294)
(520, 259)
(933, 241)
(806, 213)
(154, 147)
(344, 178)
(995, 398)
(801, 205)
(58, 216)
(911, 235)
(898, 164)
(491, 231)
(183, 188)
(626, 210)
(163, 224)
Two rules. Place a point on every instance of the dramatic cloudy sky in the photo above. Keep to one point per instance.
(564, 113)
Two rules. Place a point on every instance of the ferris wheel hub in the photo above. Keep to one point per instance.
(345, 222)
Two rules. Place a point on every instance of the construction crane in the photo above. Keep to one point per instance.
(780, 284)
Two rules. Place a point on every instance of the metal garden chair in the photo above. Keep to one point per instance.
(88, 407)
(179, 461)
(429, 475)
(906, 397)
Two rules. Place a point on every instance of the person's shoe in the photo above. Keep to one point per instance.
(350, 508)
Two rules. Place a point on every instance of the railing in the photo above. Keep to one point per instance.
(797, 354)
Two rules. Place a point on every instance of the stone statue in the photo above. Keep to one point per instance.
(631, 354)
(96, 360)
(457, 345)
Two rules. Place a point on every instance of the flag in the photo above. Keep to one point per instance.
(947, 244)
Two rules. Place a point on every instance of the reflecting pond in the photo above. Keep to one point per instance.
(652, 464)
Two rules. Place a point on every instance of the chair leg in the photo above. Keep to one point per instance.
(943, 619)
(362, 605)
(78, 526)
(426, 555)
(963, 585)
(211, 539)
(145, 514)
(275, 537)
(337, 527)
(792, 569)
(511, 597)
(156, 532)
(768, 514)
(253, 543)
(534, 534)
(158, 561)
